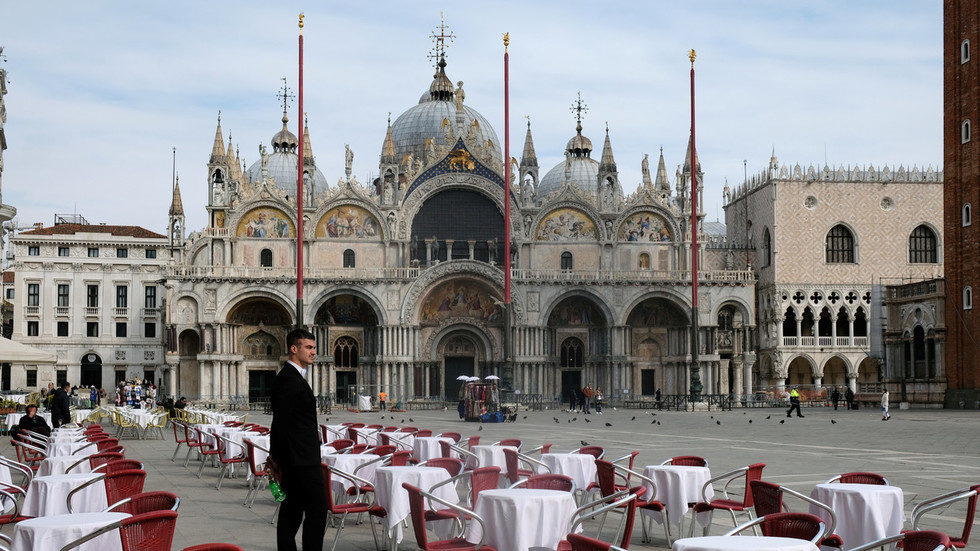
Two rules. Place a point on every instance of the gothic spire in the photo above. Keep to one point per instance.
(607, 163)
(307, 147)
(388, 148)
(662, 181)
(687, 158)
(176, 205)
(218, 149)
(529, 158)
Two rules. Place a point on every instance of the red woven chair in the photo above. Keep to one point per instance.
(355, 506)
(147, 532)
(512, 461)
(446, 449)
(767, 499)
(146, 502)
(606, 473)
(454, 435)
(509, 442)
(452, 465)
(232, 423)
(578, 542)
(967, 494)
(557, 482)
(416, 500)
(16, 468)
(687, 461)
(115, 449)
(258, 471)
(411, 430)
(624, 500)
(913, 540)
(382, 450)
(96, 460)
(400, 458)
(424, 433)
(7, 499)
(357, 448)
(472, 441)
(206, 450)
(230, 453)
(352, 431)
(177, 439)
(214, 547)
(749, 473)
(390, 429)
(375, 427)
(94, 427)
(193, 441)
(594, 451)
(801, 526)
(118, 465)
(106, 443)
(860, 478)
(340, 444)
(28, 454)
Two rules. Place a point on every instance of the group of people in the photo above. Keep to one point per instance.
(583, 399)
(835, 397)
(76, 395)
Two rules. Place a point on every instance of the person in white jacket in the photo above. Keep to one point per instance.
(884, 405)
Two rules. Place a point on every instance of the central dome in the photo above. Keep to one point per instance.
(582, 170)
(426, 120)
(283, 163)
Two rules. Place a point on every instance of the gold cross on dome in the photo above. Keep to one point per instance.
(439, 40)
(579, 107)
(285, 95)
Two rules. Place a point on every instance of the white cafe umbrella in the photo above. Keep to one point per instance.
(472, 378)
(492, 378)
(462, 378)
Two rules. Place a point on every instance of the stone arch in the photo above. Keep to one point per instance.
(262, 344)
(481, 270)
(800, 370)
(668, 219)
(460, 297)
(822, 371)
(597, 301)
(264, 292)
(189, 345)
(262, 210)
(555, 224)
(470, 182)
(865, 370)
(936, 234)
(682, 302)
(737, 303)
(185, 310)
(855, 239)
(367, 297)
(479, 334)
(834, 371)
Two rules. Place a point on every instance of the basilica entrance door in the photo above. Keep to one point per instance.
(571, 379)
(345, 380)
(91, 372)
(260, 383)
(456, 366)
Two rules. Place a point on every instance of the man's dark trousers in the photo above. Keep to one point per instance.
(304, 497)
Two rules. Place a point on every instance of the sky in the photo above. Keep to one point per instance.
(100, 92)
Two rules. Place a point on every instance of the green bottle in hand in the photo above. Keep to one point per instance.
(277, 493)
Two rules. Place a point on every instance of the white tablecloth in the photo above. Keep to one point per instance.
(47, 495)
(333, 433)
(865, 512)
(489, 456)
(739, 543)
(521, 519)
(214, 417)
(580, 467)
(348, 463)
(58, 448)
(263, 441)
(390, 495)
(407, 438)
(207, 432)
(427, 447)
(364, 402)
(677, 486)
(80, 415)
(57, 465)
(368, 436)
(14, 418)
(54, 532)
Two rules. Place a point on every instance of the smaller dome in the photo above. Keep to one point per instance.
(441, 88)
(579, 145)
(583, 173)
(284, 140)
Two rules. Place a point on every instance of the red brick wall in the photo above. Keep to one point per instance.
(961, 95)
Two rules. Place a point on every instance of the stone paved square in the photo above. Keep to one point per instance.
(923, 452)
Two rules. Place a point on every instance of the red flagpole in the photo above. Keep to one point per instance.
(508, 338)
(299, 190)
(696, 385)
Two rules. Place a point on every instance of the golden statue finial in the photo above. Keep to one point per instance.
(691, 55)
(506, 40)
(301, 16)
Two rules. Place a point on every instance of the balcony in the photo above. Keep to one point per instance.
(808, 341)
(826, 342)
(92, 311)
(34, 311)
(843, 341)
(789, 341)
(861, 342)
(62, 311)
(120, 312)
(151, 312)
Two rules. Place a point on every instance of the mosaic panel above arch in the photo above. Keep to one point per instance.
(461, 298)
(645, 226)
(348, 222)
(566, 224)
(266, 222)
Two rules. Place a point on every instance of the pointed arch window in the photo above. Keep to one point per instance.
(766, 248)
(923, 246)
(967, 214)
(265, 258)
(566, 260)
(840, 245)
(345, 352)
(572, 353)
(349, 258)
(965, 131)
(968, 298)
(964, 51)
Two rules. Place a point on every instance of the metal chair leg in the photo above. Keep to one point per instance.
(177, 449)
(339, 530)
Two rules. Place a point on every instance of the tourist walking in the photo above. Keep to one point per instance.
(598, 400)
(659, 397)
(572, 392)
(61, 406)
(587, 392)
(884, 405)
(849, 398)
(294, 454)
(794, 402)
(835, 398)
(382, 398)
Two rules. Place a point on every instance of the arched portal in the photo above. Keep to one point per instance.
(91, 374)
(346, 325)
(835, 374)
(461, 352)
(578, 317)
(262, 324)
(188, 366)
(660, 337)
(800, 371)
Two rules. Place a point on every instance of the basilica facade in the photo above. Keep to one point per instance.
(404, 278)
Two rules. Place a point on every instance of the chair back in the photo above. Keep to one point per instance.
(558, 482)
(116, 449)
(232, 423)
(340, 444)
(445, 448)
(148, 532)
(383, 450)
(390, 429)
(510, 460)
(385, 439)
(511, 442)
(412, 430)
(250, 454)
(119, 465)
(106, 443)
(766, 497)
(147, 502)
(924, 540)
(416, 504)
(594, 451)
(400, 458)
(452, 465)
(352, 433)
(190, 436)
(586, 543)
(375, 427)
(358, 448)
(177, 437)
(123, 484)
(454, 435)
(689, 461)
(971, 511)
(863, 478)
(483, 478)
(801, 526)
(98, 459)
(752, 472)
(606, 476)
(424, 433)
(472, 441)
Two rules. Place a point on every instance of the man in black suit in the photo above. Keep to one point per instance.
(294, 455)
(61, 406)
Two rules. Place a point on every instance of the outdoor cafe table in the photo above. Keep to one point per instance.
(57, 448)
(58, 464)
(401, 440)
(14, 418)
(489, 456)
(391, 496)
(580, 467)
(51, 533)
(368, 436)
(336, 432)
(677, 487)
(740, 543)
(347, 463)
(522, 519)
(47, 495)
(262, 441)
(865, 512)
(427, 447)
